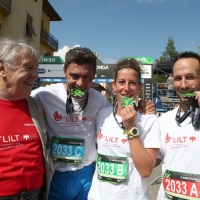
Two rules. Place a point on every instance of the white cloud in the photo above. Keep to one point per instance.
(61, 52)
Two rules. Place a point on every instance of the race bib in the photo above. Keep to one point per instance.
(180, 186)
(112, 169)
(67, 150)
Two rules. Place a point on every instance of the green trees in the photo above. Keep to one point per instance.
(169, 54)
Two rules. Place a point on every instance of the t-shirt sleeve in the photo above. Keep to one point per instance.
(35, 93)
(151, 131)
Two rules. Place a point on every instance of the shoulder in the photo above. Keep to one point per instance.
(105, 112)
(95, 93)
(98, 98)
(33, 103)
(144, 119)
(52, 88)
(30, 99)
(168, 115)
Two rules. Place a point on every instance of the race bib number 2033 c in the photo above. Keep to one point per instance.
(67, 150)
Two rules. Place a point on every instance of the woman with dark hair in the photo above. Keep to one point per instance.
(127, 141)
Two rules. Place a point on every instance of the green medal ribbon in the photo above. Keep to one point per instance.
(127, 101)
(77, 92)
(189, 94)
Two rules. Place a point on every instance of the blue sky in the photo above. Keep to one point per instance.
(118, 28)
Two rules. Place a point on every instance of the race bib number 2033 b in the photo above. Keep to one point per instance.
(112, 169)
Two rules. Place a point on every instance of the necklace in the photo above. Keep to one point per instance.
(120, 124)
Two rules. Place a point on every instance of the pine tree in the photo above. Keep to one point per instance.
(169, 54)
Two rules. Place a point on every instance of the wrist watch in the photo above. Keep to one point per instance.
(133, 133)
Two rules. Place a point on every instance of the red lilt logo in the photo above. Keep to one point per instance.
(100, 135)
(192, 138)
(84, 119)
(167, 138)
(124, 141)
(57, 117)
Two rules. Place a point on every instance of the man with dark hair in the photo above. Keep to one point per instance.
(70, 109)
(180, 139)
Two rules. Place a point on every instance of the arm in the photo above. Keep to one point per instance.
(143, 159)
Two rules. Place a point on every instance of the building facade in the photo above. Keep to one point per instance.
(30, 21)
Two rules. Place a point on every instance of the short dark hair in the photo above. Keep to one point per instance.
(186, 54)
(127, 63)
(80, 55)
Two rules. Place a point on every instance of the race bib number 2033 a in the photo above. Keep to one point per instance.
(180, 186)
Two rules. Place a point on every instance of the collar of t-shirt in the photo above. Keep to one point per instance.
(79, 103)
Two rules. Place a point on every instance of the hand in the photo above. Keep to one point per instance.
(146, 107)
(197, 97)
(128, 117)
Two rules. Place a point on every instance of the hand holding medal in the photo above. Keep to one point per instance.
(128, 101)
(128, 113)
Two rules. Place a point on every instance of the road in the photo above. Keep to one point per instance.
(153, 189)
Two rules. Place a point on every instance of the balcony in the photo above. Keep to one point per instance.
(49, 38)
(6, 5)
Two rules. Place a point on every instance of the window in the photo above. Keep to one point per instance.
(42, 23)
(0, 27)
(29, 27)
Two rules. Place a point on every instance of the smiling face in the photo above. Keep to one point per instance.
(18, 82)
(79, 77)
(186, 73)
(126, 84)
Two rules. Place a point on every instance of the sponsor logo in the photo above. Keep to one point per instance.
(57, 117)
(103, 67)
(41, 71)
(180, 139)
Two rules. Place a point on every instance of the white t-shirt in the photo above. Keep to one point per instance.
(76, 125)
(112, 142)
(180, 148)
